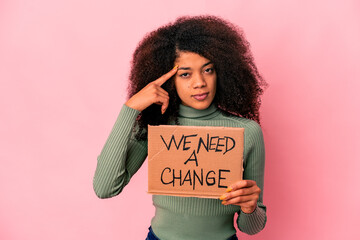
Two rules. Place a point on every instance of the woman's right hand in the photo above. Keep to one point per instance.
(152, 93)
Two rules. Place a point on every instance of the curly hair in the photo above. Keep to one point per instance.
(239, 84)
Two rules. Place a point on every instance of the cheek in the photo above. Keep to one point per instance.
(178, 88)
(181, 87)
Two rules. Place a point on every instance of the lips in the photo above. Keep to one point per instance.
(201, 96)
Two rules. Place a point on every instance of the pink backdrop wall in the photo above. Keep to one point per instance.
(63, 72)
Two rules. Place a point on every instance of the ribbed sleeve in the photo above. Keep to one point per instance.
(254, 164)
(254, 222)
(114, 167)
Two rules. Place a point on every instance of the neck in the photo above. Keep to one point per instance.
(189, 112)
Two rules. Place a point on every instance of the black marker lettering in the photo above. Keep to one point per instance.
(205, 146)
(171, 140)
(211, 142)
(187, 177)
(162, 173)
(219, 145)
(212, 178)
(176, 177)
(220, 171)
(192, 159)
(200, 181)
(185, 142)
(228, 149)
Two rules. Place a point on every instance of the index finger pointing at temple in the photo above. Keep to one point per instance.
(161, 80)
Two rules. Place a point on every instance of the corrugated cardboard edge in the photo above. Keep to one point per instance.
(182, 194)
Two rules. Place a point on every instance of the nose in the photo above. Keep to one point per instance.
(198, 81)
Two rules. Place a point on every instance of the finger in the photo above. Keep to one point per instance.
(154, 89)
(164, 106)
(162, 94)
(240, 184)
(241, 200)
(161, 80)
(161, 99)
(241, 192)
(248, 210)
(160, 89)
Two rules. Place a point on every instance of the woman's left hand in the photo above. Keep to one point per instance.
(244, 193)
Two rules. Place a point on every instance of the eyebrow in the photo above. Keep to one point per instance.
(188, 68)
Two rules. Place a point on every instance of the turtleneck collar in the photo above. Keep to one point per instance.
(189, 112)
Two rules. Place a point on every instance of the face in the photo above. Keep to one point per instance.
(195, 80)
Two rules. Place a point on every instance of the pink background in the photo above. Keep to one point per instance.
(63, 71)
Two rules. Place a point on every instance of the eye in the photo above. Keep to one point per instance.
(184, 75)
(209, 70)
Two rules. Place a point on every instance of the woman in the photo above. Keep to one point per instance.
(213, 82)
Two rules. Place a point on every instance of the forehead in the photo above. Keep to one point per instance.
(187, 59)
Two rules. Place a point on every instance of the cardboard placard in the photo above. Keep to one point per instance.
(194, 161)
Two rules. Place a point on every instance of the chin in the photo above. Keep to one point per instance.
(200, 106)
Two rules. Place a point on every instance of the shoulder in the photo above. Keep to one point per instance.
(253, 135)
(254, 148)
(250, 126)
